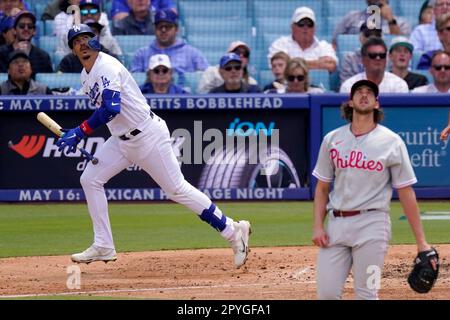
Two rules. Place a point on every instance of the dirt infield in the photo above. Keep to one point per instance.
(270, 273)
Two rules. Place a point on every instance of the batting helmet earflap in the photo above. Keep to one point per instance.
(77, 30)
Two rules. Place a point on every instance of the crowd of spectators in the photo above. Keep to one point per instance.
(168, 57)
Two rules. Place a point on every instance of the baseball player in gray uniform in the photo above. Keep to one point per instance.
(363, 160)
(138, 136)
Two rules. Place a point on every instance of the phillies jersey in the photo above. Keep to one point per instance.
(364, 168)
(109, 73)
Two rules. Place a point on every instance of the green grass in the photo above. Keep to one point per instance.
(56, 229)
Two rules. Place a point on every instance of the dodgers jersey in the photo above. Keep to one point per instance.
(109, 73)
(364, 168)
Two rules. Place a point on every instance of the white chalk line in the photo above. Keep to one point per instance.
(153, 289)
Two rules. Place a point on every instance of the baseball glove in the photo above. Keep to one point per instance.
(423, 276)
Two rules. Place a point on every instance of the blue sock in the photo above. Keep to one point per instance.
(217, 223)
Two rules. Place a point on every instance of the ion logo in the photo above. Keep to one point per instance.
(29, 146)
(247, 128)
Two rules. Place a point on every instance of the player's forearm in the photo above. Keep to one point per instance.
(408, 200)
(320, 204)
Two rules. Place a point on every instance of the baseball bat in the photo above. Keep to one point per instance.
(54, 127)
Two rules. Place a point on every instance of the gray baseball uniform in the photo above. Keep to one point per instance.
(364, 169)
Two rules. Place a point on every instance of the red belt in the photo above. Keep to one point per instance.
(339, 213)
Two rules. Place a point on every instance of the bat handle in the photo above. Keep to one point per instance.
(91, 158)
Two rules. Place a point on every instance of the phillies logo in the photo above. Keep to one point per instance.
(29, 146)
(355, 160)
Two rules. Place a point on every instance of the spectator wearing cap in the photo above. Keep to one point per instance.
(90, 14)
(278, 64)
(25, 30)
(374, 54)
(19, 77)
(443, 29)
(232, 72)
(352, 62)
(121, 8)
(12, 7)
(138, 22)
(211, 78)
(64, 21)
(7, 32)
(390, 24)
(70, 63)
(400, 54)
(440, 70)
(184, 57)
(304, 44)
(424, 37)
(296, 75)
(160, 77)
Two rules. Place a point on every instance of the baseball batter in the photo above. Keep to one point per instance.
(138, 136)
(364, 160)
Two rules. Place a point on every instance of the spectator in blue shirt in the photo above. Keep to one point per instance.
(159, 77)
(184, 58)
(424, 37)
(232, 73)
(443, 30)
(121, 8)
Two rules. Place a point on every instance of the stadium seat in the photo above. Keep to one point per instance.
(129, 44)
(410, 8)
(139, 77)
(192, 80)
(213, 56)
(218, 43)
(48, 43)
(284, 8)
(212, 9)
(48, 27)
(265, 77)
(340, 8)
(234, 26)
(320, 78)
(274, 25)
(3, 77)
(348, 42)
(38, 8)
(59, 80)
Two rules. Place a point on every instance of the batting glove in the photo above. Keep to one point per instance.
(70, 139)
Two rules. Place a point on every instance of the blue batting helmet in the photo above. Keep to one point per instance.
(77, 30)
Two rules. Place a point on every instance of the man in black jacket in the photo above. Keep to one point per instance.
(25, 27)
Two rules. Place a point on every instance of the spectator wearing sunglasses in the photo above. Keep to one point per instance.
(297, 78)
(64, 21)
(443, 31)
(232, 72)
(374, 54)
(211, 78)
(183, 57)
(390, 24)
(138, 22)
(160, 77)
(351, 63)
(90, 14)
(400, 54)
(440, 70)
(25, 30)
(304, 44)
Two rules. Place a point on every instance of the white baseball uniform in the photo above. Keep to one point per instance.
(149, 147)
(363, 169)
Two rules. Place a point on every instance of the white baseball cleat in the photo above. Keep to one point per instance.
(240, 242)
(94, 253)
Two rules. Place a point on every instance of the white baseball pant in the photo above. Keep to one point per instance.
(152, 151)
(358, 243)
